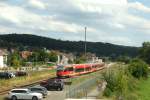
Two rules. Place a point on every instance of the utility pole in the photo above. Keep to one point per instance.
(85, 42)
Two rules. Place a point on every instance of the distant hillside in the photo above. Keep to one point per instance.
(23, 41)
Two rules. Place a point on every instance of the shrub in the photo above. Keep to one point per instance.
(124, 59)
(138, 68)
(107, 92)
(109, 77)
(118, 83)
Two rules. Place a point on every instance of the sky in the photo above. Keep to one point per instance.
(122, 22)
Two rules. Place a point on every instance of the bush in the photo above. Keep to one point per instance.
(118, 83)
(107, 92)
(110, 78)
(124, 59)
(138, 68)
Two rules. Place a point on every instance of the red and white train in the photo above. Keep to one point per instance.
(78, 69)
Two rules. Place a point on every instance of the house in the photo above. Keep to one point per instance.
(25, 54)
(3, 59)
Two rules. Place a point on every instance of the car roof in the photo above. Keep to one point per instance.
(19, 89)
(37, 87)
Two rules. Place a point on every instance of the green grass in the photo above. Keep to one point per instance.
(144, 89)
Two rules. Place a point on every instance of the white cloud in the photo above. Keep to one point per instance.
(107, 20)
(25, 19)
(97, 5)
(139, 6)
(17, 15)
(104, 2)
(119, 40)
(37, 4)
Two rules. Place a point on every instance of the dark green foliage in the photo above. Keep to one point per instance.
(107, 92)
(42, 56)
(14, 59)
(31, 42)
(145, 52)
(124, 59)
(110, 78)
(138, 68)
(52, 56)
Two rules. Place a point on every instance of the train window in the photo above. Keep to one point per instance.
(97, 66)
(94, 66)
(69, 69)
(79, 70)
(88, 69)
(59, 70)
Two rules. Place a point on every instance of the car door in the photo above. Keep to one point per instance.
(55, 84)
(22, 94)
(51, 84)
(25, 95)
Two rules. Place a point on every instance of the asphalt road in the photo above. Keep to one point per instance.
(56, 95)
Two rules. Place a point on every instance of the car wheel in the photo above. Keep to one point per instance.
(34, 98)
(43, 95)
(48, 88)
(59, 89)
(13, 98)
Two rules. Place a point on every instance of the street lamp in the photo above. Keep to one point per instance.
(85, 46)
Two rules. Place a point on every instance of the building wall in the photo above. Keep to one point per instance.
(1, 62)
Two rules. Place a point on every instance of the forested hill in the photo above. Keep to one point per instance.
(32, 41)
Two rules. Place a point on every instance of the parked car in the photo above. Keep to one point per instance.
(21, 73)
(5, 75)
(12, 74)
(39, 89)
(24, 94)
(57, 84)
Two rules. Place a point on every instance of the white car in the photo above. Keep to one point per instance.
(24, 94)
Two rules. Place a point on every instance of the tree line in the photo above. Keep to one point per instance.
(33, 42)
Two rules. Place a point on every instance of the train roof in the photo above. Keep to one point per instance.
(74, 65)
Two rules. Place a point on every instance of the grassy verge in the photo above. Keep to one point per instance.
(33, 77)
(144, 89)
(124, 84)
